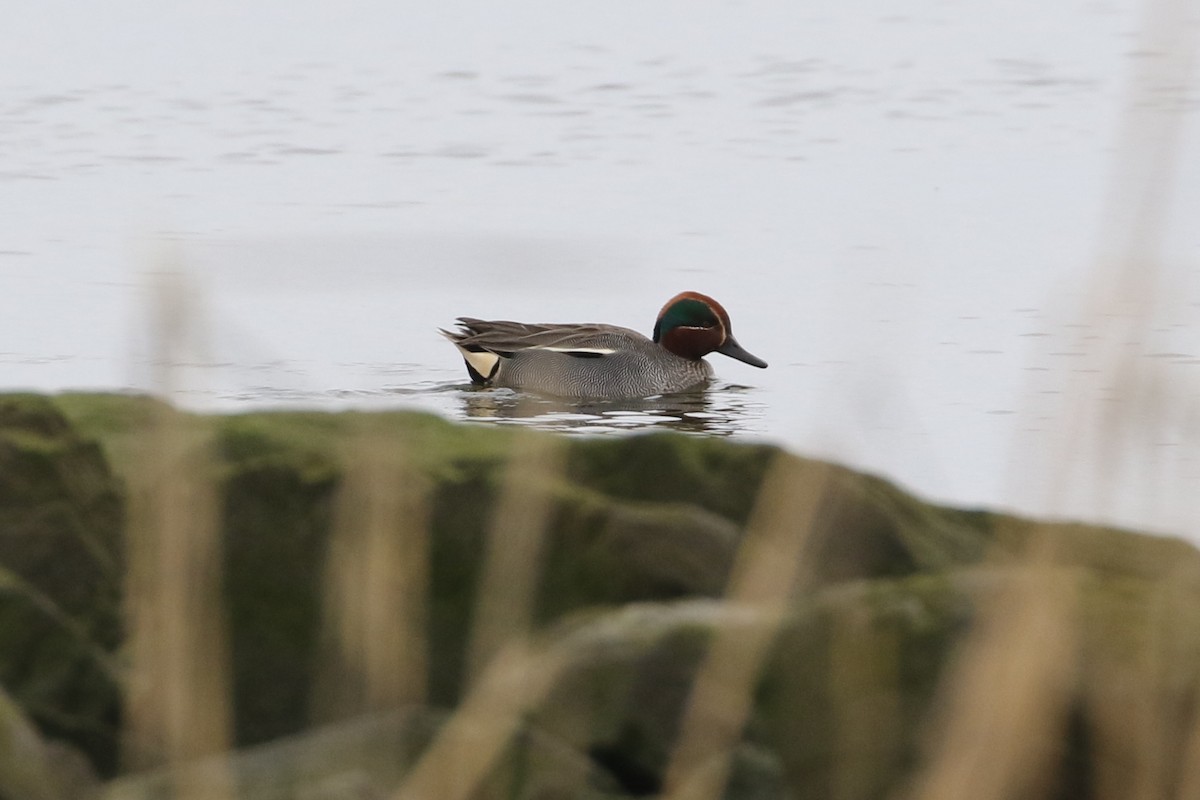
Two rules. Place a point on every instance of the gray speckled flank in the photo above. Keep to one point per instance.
(639, 369)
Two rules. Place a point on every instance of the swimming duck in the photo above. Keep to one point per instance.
(601, 361)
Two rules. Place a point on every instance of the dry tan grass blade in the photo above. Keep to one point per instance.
(513, 558)
(765, 574)
(177, 700)
(1003, 702)
(1189, 781)
(468, 745)
(377, 582)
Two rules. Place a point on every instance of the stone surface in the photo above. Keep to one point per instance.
(60, 576)
(642, 536)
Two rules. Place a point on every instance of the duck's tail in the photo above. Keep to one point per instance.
(482, 364)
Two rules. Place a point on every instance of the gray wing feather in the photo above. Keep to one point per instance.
(505, 338)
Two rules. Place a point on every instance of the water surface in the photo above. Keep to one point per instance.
(904, 212)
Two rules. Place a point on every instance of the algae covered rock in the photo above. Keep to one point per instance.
(368, 757)
(60, 576)
(649, 518)
(637, 544)
(816, 728)
(276, 520)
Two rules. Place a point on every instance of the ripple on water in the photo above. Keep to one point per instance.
(721, 410)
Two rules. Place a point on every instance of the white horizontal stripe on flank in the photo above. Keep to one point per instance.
(599, 351)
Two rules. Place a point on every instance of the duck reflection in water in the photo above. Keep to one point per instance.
(723, 412)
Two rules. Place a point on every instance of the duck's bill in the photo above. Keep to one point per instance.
(734, 350)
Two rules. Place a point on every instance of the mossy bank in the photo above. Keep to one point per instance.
(641, 533)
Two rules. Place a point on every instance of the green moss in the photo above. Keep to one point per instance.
(642, 535)
(116, 422)
(607, 552)
(460, 508)
(276, 523)
(61, 558)
(670, 468)
(932, 537)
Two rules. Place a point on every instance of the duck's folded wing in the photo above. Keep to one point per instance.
(504, 338)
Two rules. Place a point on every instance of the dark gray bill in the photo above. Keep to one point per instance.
(734, 350)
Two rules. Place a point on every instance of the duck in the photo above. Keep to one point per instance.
(598, 361)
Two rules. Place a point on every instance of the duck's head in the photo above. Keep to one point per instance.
(692, 325)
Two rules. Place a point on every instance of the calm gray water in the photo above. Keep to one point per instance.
(902, 210)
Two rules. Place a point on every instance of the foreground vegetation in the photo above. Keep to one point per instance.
(280, 605)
